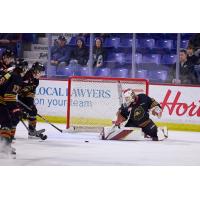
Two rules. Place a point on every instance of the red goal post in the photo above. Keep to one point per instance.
(94, 101)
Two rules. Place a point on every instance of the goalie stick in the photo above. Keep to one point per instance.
(35, 133)
(120, 93)
(27, 107)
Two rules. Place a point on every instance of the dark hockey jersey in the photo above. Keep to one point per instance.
(138, 113)
(10, 89)
(29, 85)
(3, 67)
(4, 74)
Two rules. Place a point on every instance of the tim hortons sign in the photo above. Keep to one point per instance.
(179, 103)
(179, 108)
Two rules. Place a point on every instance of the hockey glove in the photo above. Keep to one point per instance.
(156, 111)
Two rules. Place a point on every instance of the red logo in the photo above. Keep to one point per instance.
(179, 108)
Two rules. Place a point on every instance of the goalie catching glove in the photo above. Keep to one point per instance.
(157, 111)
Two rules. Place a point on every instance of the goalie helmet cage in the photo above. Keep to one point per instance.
(93, 101)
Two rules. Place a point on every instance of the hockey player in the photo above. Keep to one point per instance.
(8, 58)
(135, 110)
(27, 95)
(10, 113)
(6, 65)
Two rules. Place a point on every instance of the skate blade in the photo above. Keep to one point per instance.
(30, 137)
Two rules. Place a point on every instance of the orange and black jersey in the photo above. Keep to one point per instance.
(3, 67)
(29, 85)
(139, 115)
(10, 89)
(4, 75)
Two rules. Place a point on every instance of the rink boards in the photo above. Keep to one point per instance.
(181, 104)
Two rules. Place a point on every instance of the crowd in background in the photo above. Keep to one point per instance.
(63, 54)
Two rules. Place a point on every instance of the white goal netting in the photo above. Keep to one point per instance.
(94, 101)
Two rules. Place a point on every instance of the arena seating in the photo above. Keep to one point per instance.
(168, 59)
(142, 73)
(120, 72)
(84, 71)
(164, 44)
(154, 52)
(102, 71)
(116, 57)
(126, 42)
(72, 41)
(65, 71)
(146, 43)
(158, 75)
(112, 42)
(138, 58)
(151, 58)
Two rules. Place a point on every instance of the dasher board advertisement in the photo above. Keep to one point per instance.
(181, 104)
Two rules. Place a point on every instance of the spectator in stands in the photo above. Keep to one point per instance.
(195, 41)
(192, 57)
(187, 74)
(98, 53)
(60, 52)
(80, 54)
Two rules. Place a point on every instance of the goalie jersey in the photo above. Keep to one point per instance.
(138, 112)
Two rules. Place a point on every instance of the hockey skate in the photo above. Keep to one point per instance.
(6, 150)
(34, 134)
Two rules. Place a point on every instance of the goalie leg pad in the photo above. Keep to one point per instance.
(131, 134)
(124, 133)
(162, 133)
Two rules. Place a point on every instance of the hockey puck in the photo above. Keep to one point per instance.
(44, 137)
(86, 141)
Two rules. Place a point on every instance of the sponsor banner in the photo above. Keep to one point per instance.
(180, 104)
(51, 97)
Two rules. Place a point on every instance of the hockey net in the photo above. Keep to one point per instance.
(93, 101)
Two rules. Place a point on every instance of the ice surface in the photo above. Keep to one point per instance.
(182, 148)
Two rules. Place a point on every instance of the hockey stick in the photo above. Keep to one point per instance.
(36, 133)
(120, 93)
(27, 107)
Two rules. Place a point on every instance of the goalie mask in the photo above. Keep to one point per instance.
(129, 97)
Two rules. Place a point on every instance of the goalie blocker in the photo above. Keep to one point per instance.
(130, 133)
